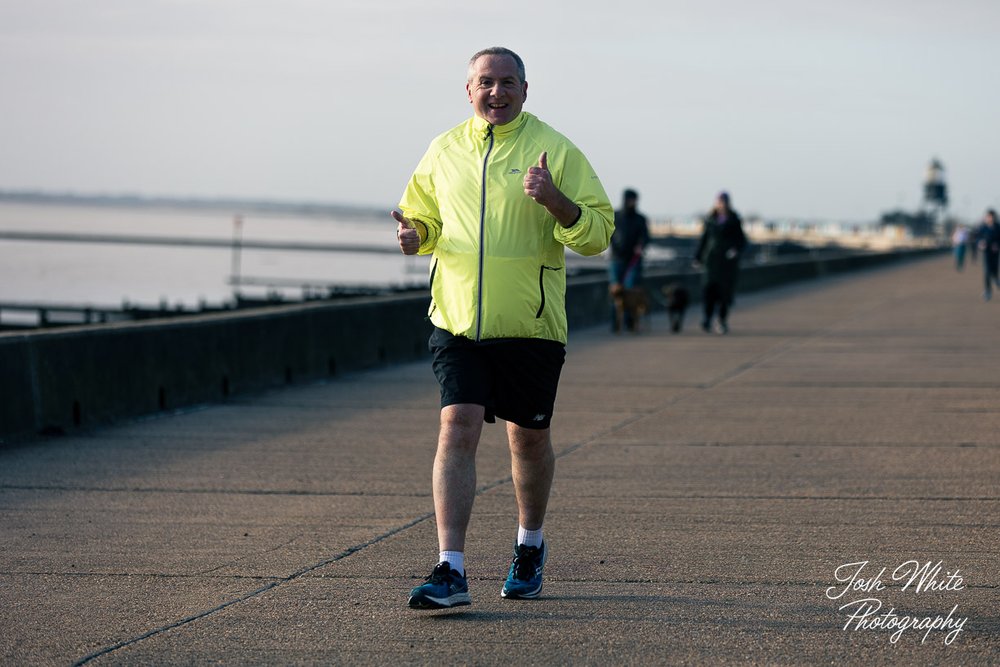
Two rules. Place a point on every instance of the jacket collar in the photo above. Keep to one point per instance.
(480, 127)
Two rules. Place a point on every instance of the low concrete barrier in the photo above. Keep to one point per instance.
(55, 381)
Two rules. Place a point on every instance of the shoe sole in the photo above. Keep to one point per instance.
(510, 595)
(426, 602)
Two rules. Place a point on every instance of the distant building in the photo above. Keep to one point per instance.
(919, 223)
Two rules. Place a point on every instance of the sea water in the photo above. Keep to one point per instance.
(108, 274)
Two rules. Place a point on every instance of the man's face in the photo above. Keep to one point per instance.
(495, 90)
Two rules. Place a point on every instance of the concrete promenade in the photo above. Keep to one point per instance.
(707, 489)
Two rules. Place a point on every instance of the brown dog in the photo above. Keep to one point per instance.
(631, 306)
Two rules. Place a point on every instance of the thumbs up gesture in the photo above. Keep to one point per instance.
(539, 186)
(538, 182)
(409, 238)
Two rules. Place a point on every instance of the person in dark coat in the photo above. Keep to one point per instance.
(630, 238)
(628, 242)
(718, 254)
(988, 236)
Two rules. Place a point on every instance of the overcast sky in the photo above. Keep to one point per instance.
(797, 107)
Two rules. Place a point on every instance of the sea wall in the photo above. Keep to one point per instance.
(55, 381)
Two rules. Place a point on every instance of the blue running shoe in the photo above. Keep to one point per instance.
(524, 581)
(444, 588)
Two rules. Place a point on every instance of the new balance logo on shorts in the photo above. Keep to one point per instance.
(539, 418)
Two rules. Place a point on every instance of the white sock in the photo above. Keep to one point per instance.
(531, 538)
(455, 559)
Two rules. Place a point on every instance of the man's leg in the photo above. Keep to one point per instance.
(454, 490)
(455, 472)
(532, 464)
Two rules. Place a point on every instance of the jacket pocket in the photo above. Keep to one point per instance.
(541, 287)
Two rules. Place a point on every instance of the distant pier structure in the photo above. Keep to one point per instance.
(935, 204)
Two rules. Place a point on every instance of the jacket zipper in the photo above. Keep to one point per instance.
(482, 237)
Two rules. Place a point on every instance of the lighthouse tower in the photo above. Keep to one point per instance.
(935, 196)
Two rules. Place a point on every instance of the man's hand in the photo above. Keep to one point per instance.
(539, 186)
(538, 182)
(409, 239)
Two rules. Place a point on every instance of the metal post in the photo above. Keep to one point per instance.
(237, 246)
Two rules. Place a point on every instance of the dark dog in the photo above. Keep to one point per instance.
(677, 303)
(631, 306)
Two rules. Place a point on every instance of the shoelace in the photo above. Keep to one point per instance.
(441, 574)
(525, 563)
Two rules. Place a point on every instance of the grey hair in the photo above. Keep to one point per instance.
(497, 51)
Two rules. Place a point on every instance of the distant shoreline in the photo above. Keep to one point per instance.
(230, 204)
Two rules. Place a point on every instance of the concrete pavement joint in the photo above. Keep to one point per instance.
(252, 594)
(165, 628)
(233, 562)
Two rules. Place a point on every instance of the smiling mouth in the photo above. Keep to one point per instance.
(498, 106)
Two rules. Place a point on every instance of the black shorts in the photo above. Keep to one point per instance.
(515, 379)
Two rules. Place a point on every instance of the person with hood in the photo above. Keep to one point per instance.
(718, 255)
(496, 201)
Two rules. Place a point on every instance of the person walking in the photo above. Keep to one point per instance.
(988, 236)
(718, 254)
(496, 200)
(959, 241)
(628, 244)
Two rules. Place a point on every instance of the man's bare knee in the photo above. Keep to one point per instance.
(461, 425)
(528, 443)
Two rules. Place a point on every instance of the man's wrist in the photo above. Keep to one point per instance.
(421, 229)
(566, 212)
(576, 218)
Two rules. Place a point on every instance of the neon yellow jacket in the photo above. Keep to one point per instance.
(499, 267)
